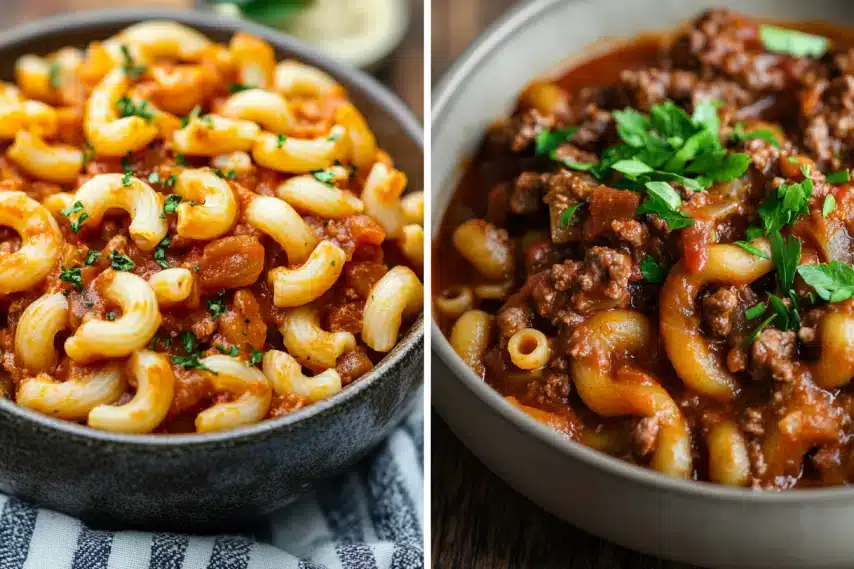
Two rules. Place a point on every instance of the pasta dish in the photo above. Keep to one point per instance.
(653, 254)
(196, 236)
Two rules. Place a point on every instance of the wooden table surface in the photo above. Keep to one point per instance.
(404, 72)
(478, 521)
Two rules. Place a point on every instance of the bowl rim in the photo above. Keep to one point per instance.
(500, 32)
(76, 22)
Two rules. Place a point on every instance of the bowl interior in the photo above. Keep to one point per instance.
(396, 129)
(535, 40)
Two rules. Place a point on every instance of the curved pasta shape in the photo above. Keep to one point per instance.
(40, 322)
(251, 388)
(57, 202)
(308, 342)
(32, 116)
(397, 295)
(140, 319)
(363, 144)
(109, 134)
(412, 205)
(279, 220)
(171, 286)
(108, 191)
(470, 337)
(254, 59)
(216, 207)
(35, 74)
(293, 78)
(481, 245)
(835, 366)
(412, 244)
(295, 287)
(268, 109)
(617, 332)
(685, 344)
(155, 387)
(155, 39)
(453, 301)
(306, 193)
(381, 196)
(54, 162)
(239, 161)
(297, 155)
(74, 398)
(728, 460)
(212, 135)
(286, 375)
(529, 349)
(40, 242)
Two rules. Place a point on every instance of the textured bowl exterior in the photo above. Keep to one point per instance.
(217, 480)
(694, 522)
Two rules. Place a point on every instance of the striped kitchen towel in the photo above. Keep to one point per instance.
(371, 518)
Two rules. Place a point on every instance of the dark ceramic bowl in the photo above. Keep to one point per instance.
(210, 481)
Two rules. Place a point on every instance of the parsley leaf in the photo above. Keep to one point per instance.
(111, 316)
(739, 135)
(217, 308)
(324, 176)
(834, 281)
(547, 141)
(792, 42)
(127, 108)
(71, 276)
(840, 177)
(194, 114)
(91, 257)
(255, 358)
(121, 262)
(88, 152)
(566, 215)
(784, 317)
(171, 203)
(129, 66)
(76, 207)
(73, 208)
(755, 334)
(783, 206)
(829, 205)
(674, 219)
(280, 140)
(188, 341)
(238, 87)
(752, 249)
(232, 351)
(632, 167)
(160, 252)
(786, 254)
(127, 178)
(652, 272)
(191, 362)
(54, 74)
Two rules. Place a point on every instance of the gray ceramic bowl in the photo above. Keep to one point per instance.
(197, 482)
(695, 522)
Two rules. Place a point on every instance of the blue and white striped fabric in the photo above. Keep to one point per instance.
(371, 518)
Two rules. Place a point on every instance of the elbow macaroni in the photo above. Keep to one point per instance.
(148, 242)
(397, 295)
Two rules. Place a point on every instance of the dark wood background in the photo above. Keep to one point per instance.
(404, 72)
(478, 521)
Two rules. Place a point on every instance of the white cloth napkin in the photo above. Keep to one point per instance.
(370, 518)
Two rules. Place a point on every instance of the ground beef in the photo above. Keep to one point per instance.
(515, 315)
(772, 353)
(718, 310)
(809, 325)
(828, 114)
(569, 186)
(551, 391)
(651, 86)
(527, 195)
(599, 282)
(523, 128)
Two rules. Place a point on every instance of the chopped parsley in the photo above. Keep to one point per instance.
(76, 207)
(171, 203)
(54, 74)
(652, 272)
(231, 174)
(755, 311)
(755, 334)
(91, 257)
(834, 281)
(154, 178)
(255, 358)
(232, 351)
(739, 135)
(194, 114)
(111, 316)
(783, 206)
(566, 216)
(191, 360)
(792, 42)
(88, 303)
(88, 152)
(324, 176)
(188, 341)
(121, 262)
(129, 66)
(164, 341)
(840, 177)
(71, 276)
(238, 87)
(127, 108)
(280, 140)
(785, 318)
(179, 159)
(217, 308)
(170, 181)
(663, 201)
(829, 205)
(127, 178)
(547, 141)
(786, 254)
(752, 249)
(160, 252)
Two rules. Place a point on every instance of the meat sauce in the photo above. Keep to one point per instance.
(791, 117)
